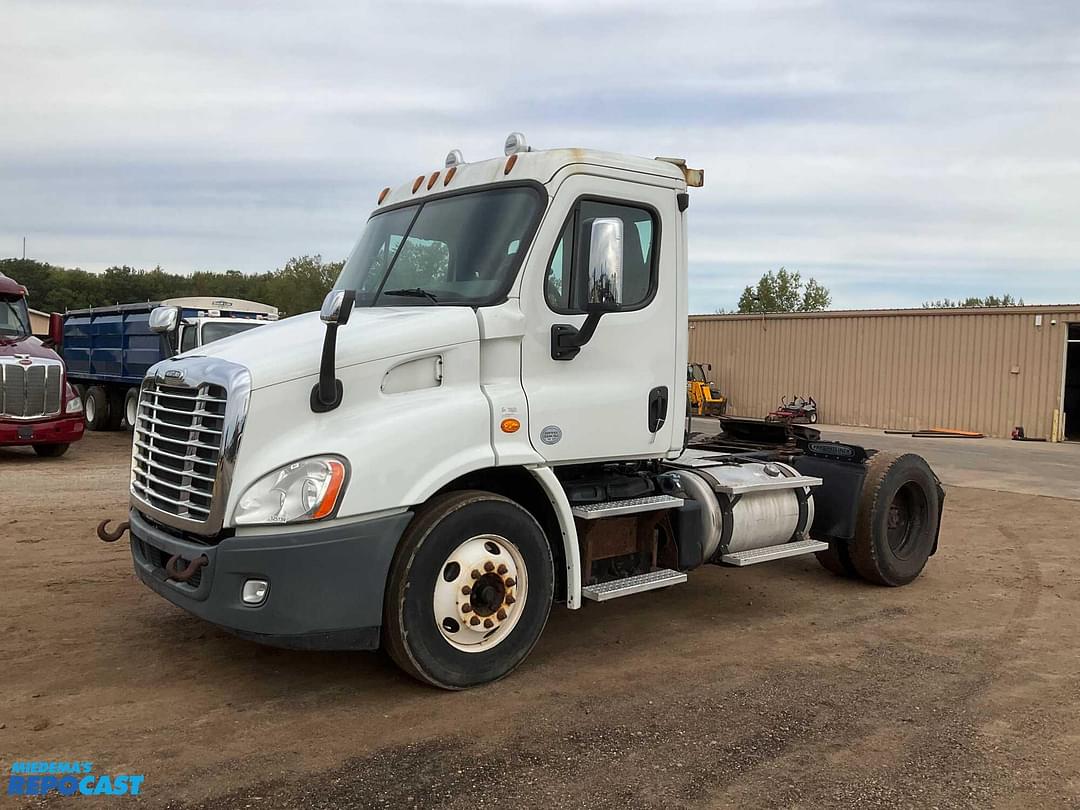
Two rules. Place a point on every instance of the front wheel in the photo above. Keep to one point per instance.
(470, 590)
(131, 407)
(96, 408)
(51, 450)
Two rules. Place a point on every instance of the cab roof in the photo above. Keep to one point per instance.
(539, 166)
(9, 286)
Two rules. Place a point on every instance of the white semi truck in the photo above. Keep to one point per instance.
(487, 418)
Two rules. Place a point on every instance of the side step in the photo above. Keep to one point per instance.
(631, 506)
(637, 584)
(768, 553)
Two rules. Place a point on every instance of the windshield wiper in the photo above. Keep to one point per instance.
(414, 292)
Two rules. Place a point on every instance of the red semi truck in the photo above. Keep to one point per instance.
(38, 407)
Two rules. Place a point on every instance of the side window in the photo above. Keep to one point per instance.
(187, 339)
(566, 280)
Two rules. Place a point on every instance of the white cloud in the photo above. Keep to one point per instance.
(895, 150)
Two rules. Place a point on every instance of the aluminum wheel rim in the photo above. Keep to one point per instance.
(91, 409)
(480, 593)
(131, 411)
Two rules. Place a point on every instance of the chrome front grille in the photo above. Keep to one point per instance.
(30, 388)
(177, 448)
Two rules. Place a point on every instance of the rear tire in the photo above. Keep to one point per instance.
(899, 513)
(96, 408)
(836, 559)
(116, 409)
(456, 541)
(51, 450)
(131, 407)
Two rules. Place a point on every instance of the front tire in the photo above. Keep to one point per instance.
(131, 407)
(96, 408)
(469, 592)
(898, 518)
(51, 450)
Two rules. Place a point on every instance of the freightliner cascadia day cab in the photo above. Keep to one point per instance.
(109, 349)
(486, 418)
(38, 405)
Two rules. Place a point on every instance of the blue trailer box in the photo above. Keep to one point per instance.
(108, 350)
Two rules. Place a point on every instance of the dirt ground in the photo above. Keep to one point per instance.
(777, 685)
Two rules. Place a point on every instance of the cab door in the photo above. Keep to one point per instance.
(619, 395)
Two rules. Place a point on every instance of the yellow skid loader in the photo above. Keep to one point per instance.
(699, 392)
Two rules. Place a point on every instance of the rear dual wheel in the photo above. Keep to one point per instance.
(470, 590)
(897, 523)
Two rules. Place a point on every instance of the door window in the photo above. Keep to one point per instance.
(187, 339)
(567, 277)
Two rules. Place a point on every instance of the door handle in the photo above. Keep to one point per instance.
(658, 405)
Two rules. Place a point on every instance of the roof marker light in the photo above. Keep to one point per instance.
(449, 175)
(515, 142)
(383, 193)
(416, 183)
(510, 164)
(454, 158)
(431, 180)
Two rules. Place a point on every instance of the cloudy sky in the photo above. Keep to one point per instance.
(897, 150)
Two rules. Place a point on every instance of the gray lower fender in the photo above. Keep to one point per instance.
(326, 583)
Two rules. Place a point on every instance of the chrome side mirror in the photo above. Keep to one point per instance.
(164, 319)
(337, 306)
(605, 265)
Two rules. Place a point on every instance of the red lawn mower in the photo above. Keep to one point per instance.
(796, 410)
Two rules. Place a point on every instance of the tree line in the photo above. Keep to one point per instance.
(299, 286)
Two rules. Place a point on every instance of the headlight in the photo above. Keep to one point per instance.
(73, 403)
(304, 490)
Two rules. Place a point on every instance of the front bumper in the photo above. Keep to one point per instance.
(326, 583)
(58, 430)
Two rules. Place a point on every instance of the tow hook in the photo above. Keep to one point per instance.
(188, 572)
(106, 536)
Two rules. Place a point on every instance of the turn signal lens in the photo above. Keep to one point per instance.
(510, 425)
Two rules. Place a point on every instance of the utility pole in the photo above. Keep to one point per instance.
(24, 248)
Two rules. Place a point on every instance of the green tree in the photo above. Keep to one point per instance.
(784, 291)
(974, 301)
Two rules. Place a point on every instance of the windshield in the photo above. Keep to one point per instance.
(14, 318)
(463, 249)
(216, 330)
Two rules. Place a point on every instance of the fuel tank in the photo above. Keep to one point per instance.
(744, 504)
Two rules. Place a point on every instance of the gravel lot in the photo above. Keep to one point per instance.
(777, 685)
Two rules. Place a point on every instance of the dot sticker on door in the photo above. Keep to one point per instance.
(552, 434)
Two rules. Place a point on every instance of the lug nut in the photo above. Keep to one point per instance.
(475, 620)
(488, 623)
(466, 590)
(501, 570)
(510, 599)
(500, 615)
(475, 574)
(509, 582)
(466, 608)
(489, 566)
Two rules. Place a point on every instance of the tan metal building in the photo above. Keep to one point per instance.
(39, 323)
(984, 370)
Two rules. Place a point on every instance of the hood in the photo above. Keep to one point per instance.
(28, 345)
(292, 348)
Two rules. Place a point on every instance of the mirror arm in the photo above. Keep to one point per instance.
(326, 393)
(567, 340)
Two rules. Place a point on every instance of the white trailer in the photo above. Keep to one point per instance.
(488, 418)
